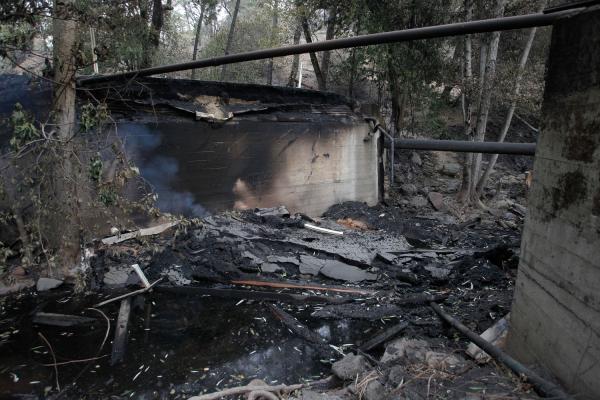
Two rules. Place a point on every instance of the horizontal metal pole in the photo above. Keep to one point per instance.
(430, 32)
(465, 146)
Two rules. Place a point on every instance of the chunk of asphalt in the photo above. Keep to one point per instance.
(337, 270)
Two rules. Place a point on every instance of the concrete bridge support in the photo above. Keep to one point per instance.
(556, 309)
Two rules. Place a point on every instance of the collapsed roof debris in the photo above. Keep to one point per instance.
(294, 291)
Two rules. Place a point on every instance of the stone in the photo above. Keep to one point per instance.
(47, 284)
(310, 265)
(283, 259)
(270, 267)
(451, 169)
(396, 374)
(312, 395)
(374, 391)
(419, 202)
(350, 366)
(344, 272)
(453, 185)
(175, 276)
(415, 158)
(405, 349)
(437, 200)
(253, 259)
(408, 189)
(443, 361)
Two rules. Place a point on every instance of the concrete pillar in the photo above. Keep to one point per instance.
(556, 308)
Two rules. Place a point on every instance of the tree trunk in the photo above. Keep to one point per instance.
(466, 104)
(273, 40)
(513, 105)
(329, 34)
(198, 38)
(156, 24)
(292, 80)
(313, 57)
(230, 37)
(63, 229)
(353, 64)
(486, 100)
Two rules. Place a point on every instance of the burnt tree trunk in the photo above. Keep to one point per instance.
(63, 226)
(273, 40)
(230, 36)
(293, 80)
(313, 57)
(198, 38)
(329, 34)
(485, 104)
(511, 111)
(467, 111)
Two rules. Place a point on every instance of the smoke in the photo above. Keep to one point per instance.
(161, 172)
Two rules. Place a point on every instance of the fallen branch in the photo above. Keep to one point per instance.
(74, 361)
(285, 285)
(546, 388)
(155, 230)
(383, 337)
(121, 332)
(296, 326)
(247, 389)
(53, 357)
(136, 292)
(252, 294)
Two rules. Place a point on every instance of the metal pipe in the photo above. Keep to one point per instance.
(545, 387)
(465, 146)
(429, 32)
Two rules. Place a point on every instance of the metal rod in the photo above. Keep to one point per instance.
(465, 146)
(430, 32)
(545, 387)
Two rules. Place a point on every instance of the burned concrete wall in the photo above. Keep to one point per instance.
(556, 309)
(210, 146)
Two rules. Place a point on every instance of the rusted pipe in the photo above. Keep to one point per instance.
(465, 146)
(429, 32)
(545, 387)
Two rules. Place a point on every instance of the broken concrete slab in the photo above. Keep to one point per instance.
(344, 272)
(496, 335)
(349, 367)
(47, 284)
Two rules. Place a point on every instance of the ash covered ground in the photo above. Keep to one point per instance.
(258, 295)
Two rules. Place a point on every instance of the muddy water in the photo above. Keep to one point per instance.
(177, 346)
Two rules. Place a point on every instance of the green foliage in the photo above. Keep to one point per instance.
(24, 130)
(92, 116)
(95, 169)
(107, 196)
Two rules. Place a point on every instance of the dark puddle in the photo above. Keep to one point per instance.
(178, 346)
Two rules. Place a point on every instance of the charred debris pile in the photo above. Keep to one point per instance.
(370, 273)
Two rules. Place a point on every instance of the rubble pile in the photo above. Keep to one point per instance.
(348, 294)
